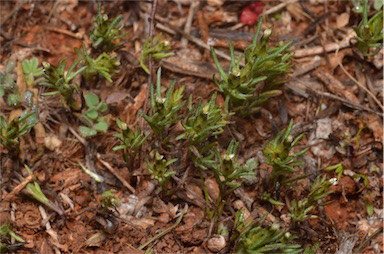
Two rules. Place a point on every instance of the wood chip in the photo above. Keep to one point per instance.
(335, 86)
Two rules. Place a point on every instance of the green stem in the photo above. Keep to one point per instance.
(185, 209)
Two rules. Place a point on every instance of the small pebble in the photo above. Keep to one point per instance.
(216, 243)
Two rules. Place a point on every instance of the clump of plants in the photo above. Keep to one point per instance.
(370, 31)
(250, 238)
(299, 210)
(203, 121)
(248, 85)
(107, 32)
(157, 49)
(10, 133)
(8, 238)
(131, 141)
(160, 169)
(278, 155)
(60, 82)
(164, 109)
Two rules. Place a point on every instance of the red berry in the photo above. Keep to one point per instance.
(251, 12)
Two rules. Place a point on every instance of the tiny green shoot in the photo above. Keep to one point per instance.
(277, 153)
(92, 116)
(157, 49)
(164, 109)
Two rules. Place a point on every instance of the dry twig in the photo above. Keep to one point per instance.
(116, 174)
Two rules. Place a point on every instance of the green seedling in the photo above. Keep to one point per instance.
(257, 239)
(277, 153)
(164, 109)
(32, 71)
(10, 133)
(106, 32)
(370, 32)
(91, 116)
(109, 201)
(8, 86)
(229, 173)
(267, 197)
(157, 49)
(35, 192)
(203, 121)
(159, 168)
(339, 169)
(8, 236)
(60, 82)
(368, 199)
(131, 141)
(104, 64)
(299, 210)
(246, 87)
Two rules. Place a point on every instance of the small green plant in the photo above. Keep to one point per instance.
(131, 141)
(8, 236)
(8, 86)
(34, 191)
(299, 210)
(91, 116)
(60, 82)
(267, 197)
(109, 201)
(246, 87)
(159, 169)
(10, 133)
(157, 49)
(339, 169)
(228, 172)
(32, 71)
(277, 153)
(107, 32)
(164, 109)
(250, 238)
(104, 64)
(370, 32)
(203, 121)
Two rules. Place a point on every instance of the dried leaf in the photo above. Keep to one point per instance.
(342, 20)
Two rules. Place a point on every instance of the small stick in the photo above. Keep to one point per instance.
(191, 38)
(19, 187)
(166, 231)
(360, 85)
(335, 86)
(66, 32)
(115, 173)
(188, 23)
(278, 7)
(151, 31)
(318, 50)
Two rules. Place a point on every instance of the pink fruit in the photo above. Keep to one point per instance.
(251, 12)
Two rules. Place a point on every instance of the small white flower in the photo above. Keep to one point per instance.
(166, 43)
(228, 157)
(333, 181)
(160, 100)
(206, 110)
